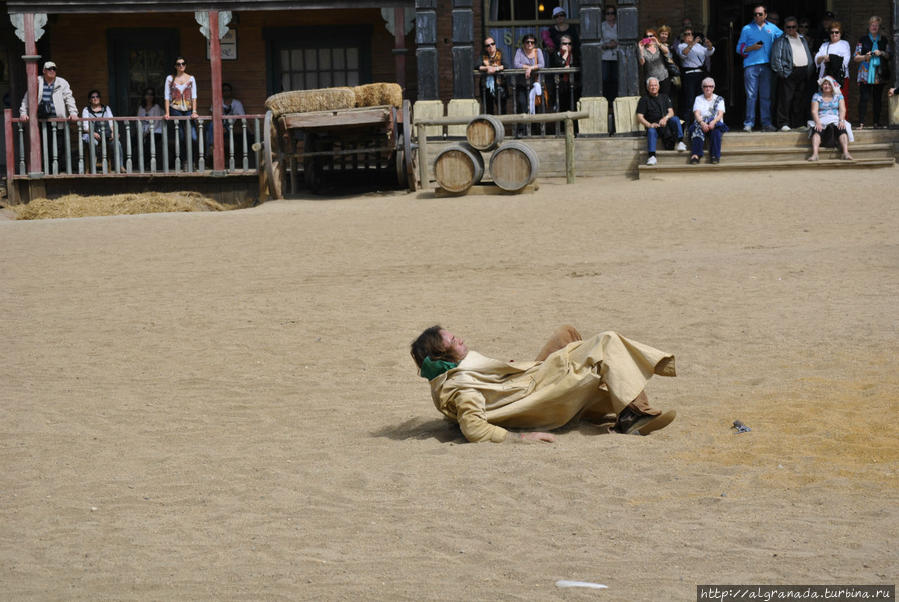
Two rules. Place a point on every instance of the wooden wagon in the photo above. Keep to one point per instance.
(333, 145)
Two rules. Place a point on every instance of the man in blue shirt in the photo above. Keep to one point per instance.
(754, 46)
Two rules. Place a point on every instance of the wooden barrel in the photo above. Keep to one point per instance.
(458, 167)
(513, 166)
(485, 132)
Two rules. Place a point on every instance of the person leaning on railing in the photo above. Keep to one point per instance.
(55, 98)
(530, 85)
(565, 93)
(181, 99)
(95, 109)
(150, 108)
(493, 85)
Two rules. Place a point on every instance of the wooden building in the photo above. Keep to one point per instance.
(428, 46)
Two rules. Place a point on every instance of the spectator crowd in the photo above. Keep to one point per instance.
(794, 78)
(56, 100)
(785, 65)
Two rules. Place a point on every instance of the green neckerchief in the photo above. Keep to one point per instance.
(431, 369)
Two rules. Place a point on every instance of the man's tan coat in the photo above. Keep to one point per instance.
(601, 375)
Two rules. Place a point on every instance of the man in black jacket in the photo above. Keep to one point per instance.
(792, 62)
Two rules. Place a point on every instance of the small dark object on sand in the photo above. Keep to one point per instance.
(741, 428)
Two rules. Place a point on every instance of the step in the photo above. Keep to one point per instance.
(737, 138)
(778, 154)
(749, 165)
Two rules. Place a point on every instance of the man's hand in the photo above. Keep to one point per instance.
(538, 436)
(756, 46)
(662, 122)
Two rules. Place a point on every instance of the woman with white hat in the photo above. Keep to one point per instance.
(829, 119)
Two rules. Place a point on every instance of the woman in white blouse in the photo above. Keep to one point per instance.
(181, 100)
(828, 64)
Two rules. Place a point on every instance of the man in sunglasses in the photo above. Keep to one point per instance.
(754, 46)
(55, 96)
(792, 61)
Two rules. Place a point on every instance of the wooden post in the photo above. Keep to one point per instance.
(399, 46)
(35, 167)
(422, 137)
(11, 185)
(569, 150)
(215, 65)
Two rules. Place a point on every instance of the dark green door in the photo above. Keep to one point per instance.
(139, 58)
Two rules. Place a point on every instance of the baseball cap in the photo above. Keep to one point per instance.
(558, 11)
(49, 64)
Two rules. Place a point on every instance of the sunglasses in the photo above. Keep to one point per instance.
(833, 32)
(791, 26)
(707, 86)
(94, 96)
(180, 64)
(530, 41)
(565, 44)
(490, 44)
(49, 68)
(759, 14)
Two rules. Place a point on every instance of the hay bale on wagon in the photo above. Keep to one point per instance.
(304, 101)
(374, 95)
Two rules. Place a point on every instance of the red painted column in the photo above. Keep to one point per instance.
(399, 46)
(215, 65)
(31, 72)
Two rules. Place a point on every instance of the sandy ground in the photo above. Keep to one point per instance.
(222, 405)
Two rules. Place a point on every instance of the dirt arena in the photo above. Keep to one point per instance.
(209, 406)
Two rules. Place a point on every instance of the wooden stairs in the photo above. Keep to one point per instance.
(780, 150)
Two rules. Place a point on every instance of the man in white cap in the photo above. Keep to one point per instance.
(55, 96)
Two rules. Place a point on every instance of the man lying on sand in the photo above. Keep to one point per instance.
(595, 379)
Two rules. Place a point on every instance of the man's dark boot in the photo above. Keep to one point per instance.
(632, 421)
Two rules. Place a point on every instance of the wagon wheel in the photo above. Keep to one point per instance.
(271, 152)
(312, 166)
(407, 146)
(396, 161)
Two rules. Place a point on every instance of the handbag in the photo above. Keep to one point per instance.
(673, 73)
(45, 109)
(834, 67)
(673, 70)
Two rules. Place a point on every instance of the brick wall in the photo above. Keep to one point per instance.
(78, 45)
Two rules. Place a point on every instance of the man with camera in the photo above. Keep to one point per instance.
(56, 98)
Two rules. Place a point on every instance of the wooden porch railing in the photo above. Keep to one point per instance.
(131, 146)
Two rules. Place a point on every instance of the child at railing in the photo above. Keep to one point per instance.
(150, 108)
